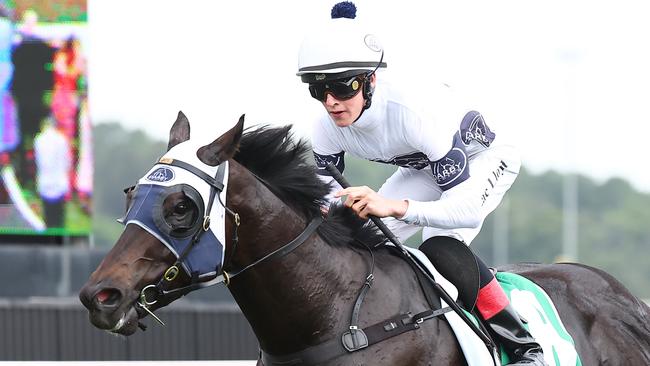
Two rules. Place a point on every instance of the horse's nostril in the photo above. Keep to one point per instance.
(108, 297)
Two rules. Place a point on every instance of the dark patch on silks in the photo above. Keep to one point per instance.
(336, 159)
(452, 168)
(416, 160)
(474, 128)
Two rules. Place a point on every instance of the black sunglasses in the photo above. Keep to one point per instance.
(341, 89)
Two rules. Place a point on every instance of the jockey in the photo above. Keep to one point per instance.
(451, 173)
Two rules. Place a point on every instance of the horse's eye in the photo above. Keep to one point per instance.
(182, 208)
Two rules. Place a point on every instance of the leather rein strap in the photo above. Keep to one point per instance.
(282, 251)
(225, 277)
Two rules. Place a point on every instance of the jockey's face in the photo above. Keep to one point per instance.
(345, 112)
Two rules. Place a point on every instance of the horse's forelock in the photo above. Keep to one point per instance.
(274, 156)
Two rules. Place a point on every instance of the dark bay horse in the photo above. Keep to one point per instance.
(305, 297)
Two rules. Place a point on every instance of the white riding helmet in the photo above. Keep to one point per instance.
(341, 48)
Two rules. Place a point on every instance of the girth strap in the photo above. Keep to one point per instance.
(334, 348)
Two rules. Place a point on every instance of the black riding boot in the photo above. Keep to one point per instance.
(520, 345)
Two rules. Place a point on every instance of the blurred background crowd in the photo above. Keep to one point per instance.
(45, 131)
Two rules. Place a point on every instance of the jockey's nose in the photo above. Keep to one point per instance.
(330, 99)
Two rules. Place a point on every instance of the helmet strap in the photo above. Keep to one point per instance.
(368, 90)
(367, 94)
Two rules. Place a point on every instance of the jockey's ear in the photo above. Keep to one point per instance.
(180, 131)
(222, 148)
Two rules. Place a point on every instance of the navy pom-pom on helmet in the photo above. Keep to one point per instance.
(339, 49)
(344, 9)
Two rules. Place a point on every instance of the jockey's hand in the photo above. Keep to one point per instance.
(324, 210)
(364, 201)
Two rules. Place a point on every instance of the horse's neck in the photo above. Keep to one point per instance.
(289, 301)
(306, 297)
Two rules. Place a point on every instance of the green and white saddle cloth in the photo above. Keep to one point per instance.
(530, 301)
(543, 321)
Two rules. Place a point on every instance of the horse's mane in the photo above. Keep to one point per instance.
(280, 162)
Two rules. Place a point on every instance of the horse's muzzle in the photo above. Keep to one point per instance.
(108, 310)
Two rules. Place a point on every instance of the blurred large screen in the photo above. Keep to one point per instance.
(46, 159)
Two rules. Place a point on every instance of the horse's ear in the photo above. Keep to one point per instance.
(180, 131)
(222, 148)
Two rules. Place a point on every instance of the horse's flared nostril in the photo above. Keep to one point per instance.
(94, 299)
(108, 297)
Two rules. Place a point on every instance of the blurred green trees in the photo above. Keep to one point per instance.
(121, 158)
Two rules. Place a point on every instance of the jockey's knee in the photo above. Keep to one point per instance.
(457, 263)
(429, 246)
(449, 255)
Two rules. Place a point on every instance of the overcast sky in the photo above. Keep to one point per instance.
(566, 81)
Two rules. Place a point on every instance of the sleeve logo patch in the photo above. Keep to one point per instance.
(474, 128)
(161, 174)
(452, 169)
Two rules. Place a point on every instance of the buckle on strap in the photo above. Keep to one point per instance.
(354, 340)
(144, 303)
(429, 314)
(170, 274)
(226, 278)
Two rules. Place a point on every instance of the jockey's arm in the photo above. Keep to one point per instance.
(459, 207)
(461, 202)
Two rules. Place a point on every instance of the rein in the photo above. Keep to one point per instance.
(280, 252)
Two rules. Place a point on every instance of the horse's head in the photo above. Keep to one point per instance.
(174, 236)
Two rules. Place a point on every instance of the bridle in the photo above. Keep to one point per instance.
(153, 293)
